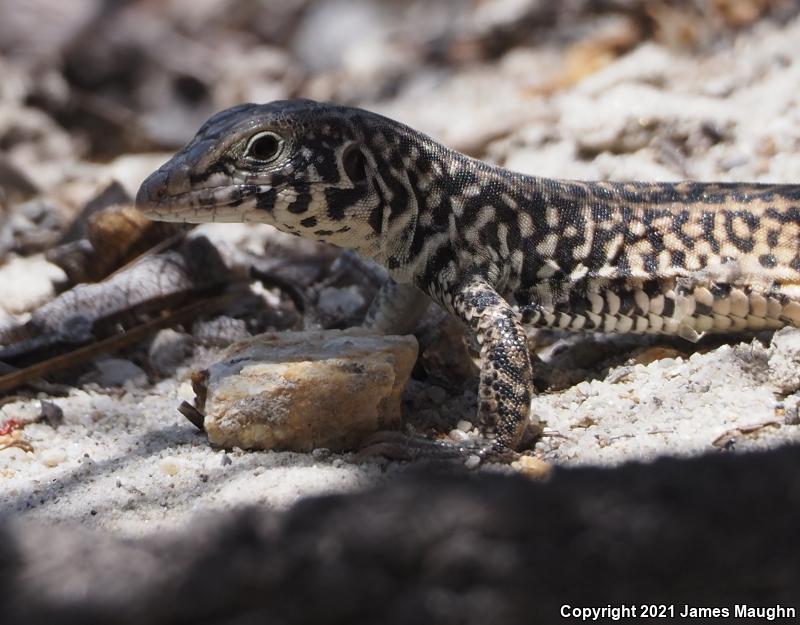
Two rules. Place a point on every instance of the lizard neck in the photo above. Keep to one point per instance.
(436, 201)
(444, 212)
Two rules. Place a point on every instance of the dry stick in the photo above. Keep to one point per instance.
(113, 343)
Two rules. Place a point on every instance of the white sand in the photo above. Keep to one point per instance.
(129, 462)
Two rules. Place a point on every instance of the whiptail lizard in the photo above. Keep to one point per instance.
(497, 249)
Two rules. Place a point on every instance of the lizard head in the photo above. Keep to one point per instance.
(299, 165)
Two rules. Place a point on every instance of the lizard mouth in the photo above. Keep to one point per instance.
(155, 201)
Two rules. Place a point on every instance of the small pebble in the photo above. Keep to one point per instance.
(458, 436)
(464, 426)
(169, 349)
(52, 413)
(186, 393)
(53, 457)
(220, 332)
(169, 466)
(533, 467)
(472, 461)
(110, 372)
(337, 303)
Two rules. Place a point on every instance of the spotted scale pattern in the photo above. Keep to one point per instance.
(498, 249)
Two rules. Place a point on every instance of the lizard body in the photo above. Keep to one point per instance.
(497, 249)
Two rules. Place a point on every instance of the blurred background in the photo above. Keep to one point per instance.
(93, 79)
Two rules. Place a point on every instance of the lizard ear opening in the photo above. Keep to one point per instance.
(355, 165)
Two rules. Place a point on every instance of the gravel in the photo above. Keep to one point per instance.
(124, 459)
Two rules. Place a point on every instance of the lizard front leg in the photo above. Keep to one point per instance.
(506, 379)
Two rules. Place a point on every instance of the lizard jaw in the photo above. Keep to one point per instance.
(224, 203)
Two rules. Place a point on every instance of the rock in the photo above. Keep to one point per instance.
(533, 467)
(784, 360)
(220, 331)
(26, 283)
(169, 466)
(33, 226)
(446, 357)
(653, 353)
(304, 390)
(340, 304)
(53, 457)
(51, 413)
(464, 426)
(169, 349)
(14, 184)
(472, 462)
(118, 372)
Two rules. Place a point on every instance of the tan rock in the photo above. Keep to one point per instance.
(304, 390)
(533, 467)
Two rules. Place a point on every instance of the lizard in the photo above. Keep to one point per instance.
(499, 250)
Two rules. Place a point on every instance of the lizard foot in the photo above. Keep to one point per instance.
(399, 446)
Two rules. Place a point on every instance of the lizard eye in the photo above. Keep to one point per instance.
(264, 146)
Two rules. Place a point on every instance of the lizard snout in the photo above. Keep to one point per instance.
(160, 189)
(153, 191)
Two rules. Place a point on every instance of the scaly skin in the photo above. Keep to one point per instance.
(497, 249)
